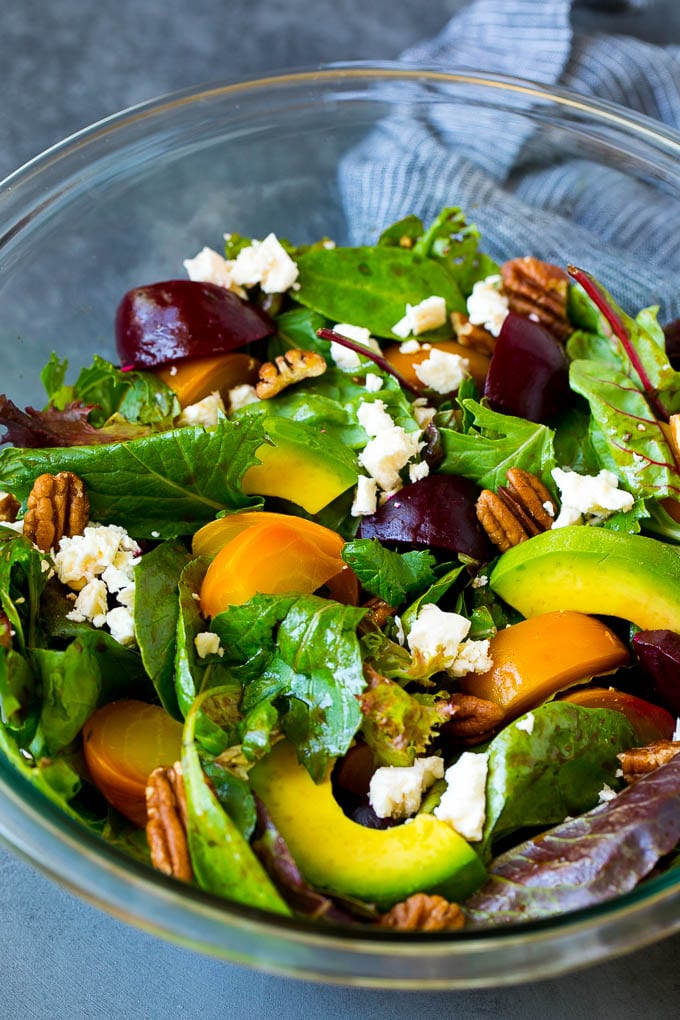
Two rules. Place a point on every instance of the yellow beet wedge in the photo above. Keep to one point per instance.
(534, 659)
(594, 571)
(336, 855)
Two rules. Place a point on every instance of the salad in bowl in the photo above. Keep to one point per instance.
(351, 591)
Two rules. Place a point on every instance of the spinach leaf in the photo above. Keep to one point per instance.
(585, 860)
(495, 443)
(22, 581)
(372, 286)
(19, 704)
(161, 486)
(551, 763)
(156, 613)
(391, 576)
(455, 242)
(235, 796)
(410, 228)
(301, 655)
(222, 860)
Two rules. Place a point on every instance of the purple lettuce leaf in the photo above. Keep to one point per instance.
(67, 427)
(585, 860)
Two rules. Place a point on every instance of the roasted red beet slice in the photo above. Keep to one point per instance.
(436, 512)
(528, 374)
(658, 652)
(184, 319)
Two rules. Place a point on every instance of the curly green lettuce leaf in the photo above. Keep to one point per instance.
(399, 726)
(495, 443)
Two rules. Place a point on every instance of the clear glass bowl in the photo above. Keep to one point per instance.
(340, 152)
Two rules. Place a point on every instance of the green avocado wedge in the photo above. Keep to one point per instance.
(336, 855)
(593, 570)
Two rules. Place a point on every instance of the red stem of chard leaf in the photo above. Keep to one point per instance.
(368, 352)
(601, 299)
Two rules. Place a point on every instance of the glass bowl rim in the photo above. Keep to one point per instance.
(30, 820)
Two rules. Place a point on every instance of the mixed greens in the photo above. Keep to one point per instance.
(374, 591)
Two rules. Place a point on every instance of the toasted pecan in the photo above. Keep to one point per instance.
(516, 511)
(421, 912)
(9, 507)
(57, 505)
(473, 720)
(639, 761)
(538, 290)
(166, 827)
(472, 335)
(286, 369)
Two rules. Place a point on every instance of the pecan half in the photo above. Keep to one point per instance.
(516, 511)
(538, 290)
(473, 720)
(57, 505)
(421, 912)
(470, 335)
(639, 761)
(287, 369)
(9, 507)
(379, 612)
(166, 827)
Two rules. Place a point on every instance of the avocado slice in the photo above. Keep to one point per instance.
(593, 570)
(336, 855)
(300, 464)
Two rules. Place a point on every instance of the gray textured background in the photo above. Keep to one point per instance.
(63, 64)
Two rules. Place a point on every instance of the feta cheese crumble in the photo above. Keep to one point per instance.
(588, 499)
(241, 396)
(99, 565)
(606, 794)
(343, 357)
(211, 267)
(267, 263)
(427, 314)
(487, 305)
(463, 803)
(373, 382)
(206, 412)
(389, 448)
(442, 371)
(439, 635)
(526, 723)
(207, 643)
(365, 497)
(397, 791)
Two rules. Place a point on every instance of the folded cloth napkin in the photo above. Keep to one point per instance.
(501, 172)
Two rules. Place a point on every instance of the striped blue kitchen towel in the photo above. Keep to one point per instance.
(503, 172)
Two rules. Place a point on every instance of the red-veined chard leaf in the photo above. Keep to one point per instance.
(585, 860)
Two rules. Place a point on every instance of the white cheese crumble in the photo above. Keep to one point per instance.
(267, 263)
(207, 643)
(342, 356)
(365, 497)
(207, 411)
(409, 347)
(211, 267)
(397, 791)
(427, 314)
(373, 382)
(436, 634)
(442, 371)
(526, 723)
(588, 499)
(422, 412)
(389, 448)
(487, 306)
(676, 731)
(606, 794)
(99, 565)
(418, 471)
(463, 803)
(240, 396)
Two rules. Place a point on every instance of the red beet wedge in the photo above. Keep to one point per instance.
(436, 512)
(184, 319)
(528, 374)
